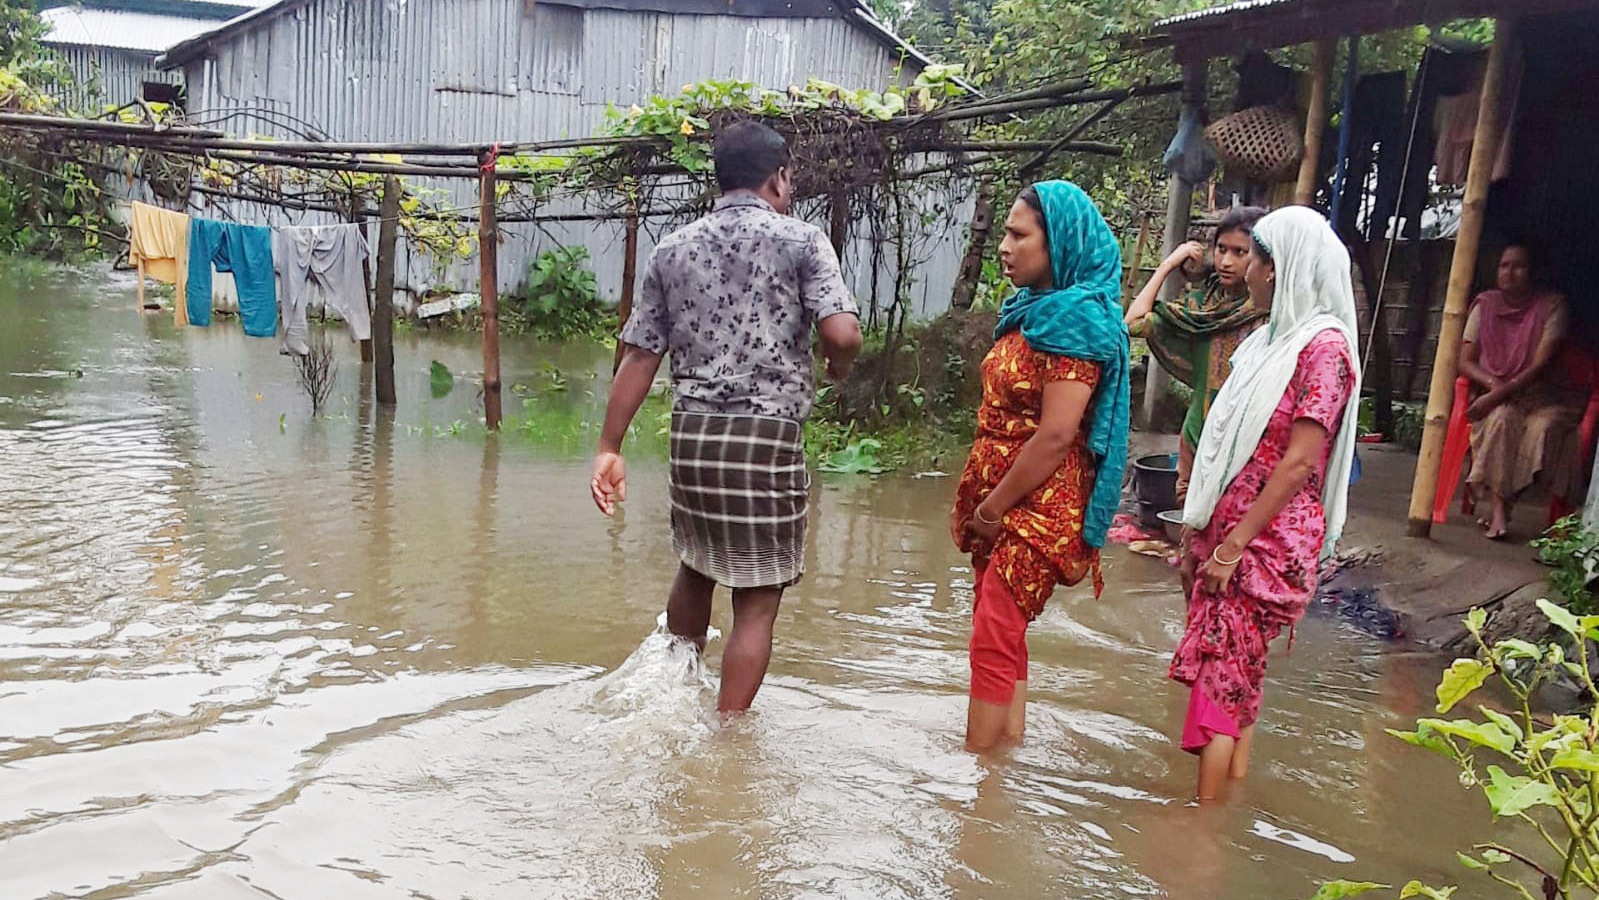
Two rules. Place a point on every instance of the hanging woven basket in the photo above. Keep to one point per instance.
(1261, 143)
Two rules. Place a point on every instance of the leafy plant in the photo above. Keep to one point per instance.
(859, 458)
(1570, 549)
(1541, 772)
(992, 288)
(440, 380)
(560, 300)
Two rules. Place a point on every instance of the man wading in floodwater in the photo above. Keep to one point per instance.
(733, 298)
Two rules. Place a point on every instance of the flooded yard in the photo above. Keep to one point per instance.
(245, 653)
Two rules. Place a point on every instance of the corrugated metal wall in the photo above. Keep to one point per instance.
(484, 70)
(107, 77)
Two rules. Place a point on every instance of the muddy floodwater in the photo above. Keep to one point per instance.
(245, 653)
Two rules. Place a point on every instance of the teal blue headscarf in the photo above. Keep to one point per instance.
(1081, 317)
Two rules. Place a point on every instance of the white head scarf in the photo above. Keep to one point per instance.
(1313, 294)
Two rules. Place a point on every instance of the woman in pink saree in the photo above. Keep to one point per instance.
(1270, 486)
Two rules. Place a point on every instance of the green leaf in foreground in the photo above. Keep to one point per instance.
(1562, 618)
(1511, 795)
(1417, 889)
(1587, 760)
(1337, 890)
(1423, 738)
(1483, 734)
(1463, 677)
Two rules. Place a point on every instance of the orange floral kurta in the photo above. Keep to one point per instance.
(1041, 540)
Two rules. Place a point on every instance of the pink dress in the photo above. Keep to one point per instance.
(1222, 655)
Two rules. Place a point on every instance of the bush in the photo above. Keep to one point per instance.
(560, 300)
(1540, 771)
(1569, 549)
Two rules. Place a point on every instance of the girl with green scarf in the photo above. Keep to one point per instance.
(1195, 335)
(1045, 473)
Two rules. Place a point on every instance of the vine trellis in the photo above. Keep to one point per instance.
(892, 162)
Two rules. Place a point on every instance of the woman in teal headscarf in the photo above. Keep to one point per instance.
(1045, 473)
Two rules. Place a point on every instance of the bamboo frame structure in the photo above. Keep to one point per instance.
(1462, 273)
(637, 156)
(1315, 123)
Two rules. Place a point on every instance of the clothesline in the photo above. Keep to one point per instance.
(277, 271)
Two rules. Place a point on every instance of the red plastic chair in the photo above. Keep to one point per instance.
(1580, 368)
(1457, 441)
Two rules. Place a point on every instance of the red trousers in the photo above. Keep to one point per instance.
(999, 639)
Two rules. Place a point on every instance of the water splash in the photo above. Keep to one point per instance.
(661, 699)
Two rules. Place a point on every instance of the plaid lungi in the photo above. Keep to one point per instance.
(740, 495)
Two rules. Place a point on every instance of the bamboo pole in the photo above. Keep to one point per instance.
(489, 288)
(629, 277)
(1462, 272)
(383, 305)
(1315, 123)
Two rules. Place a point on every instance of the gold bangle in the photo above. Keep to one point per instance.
(978, 512)
(1215, 557)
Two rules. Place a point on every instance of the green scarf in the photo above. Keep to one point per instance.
(1081, 317)
(1182, 331)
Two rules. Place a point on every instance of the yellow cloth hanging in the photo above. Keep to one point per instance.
(158, 246)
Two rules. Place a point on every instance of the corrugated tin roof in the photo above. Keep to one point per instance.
(77, 26)
(857, 12)
(1217, 11)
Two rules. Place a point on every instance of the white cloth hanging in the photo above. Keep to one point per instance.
(1313, 294)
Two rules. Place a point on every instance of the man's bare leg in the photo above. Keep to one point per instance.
(749, 647)
(688, 606)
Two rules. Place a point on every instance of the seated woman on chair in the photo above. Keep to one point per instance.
(1524, 429)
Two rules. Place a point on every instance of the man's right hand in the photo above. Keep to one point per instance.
(609, 484)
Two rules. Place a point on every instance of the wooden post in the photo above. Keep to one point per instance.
(629, 278)
(1346, 132)
(1179, 211)
(1379, 364)
(971, 270)
(1138, 255)
(383, 302)
(366, 270)
(1315, 124)
(838, 215)
(1462, 272)
(489, 287)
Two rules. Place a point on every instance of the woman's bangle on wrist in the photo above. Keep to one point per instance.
(984, 519)
(1215, 557)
